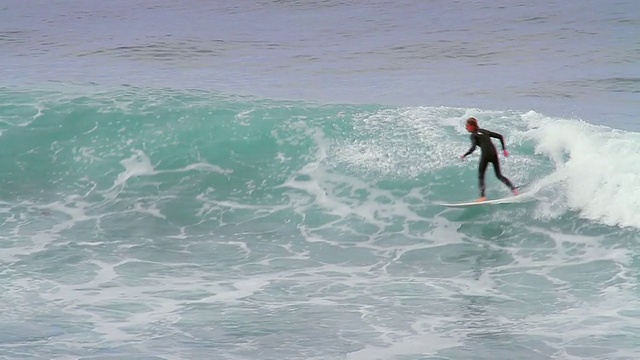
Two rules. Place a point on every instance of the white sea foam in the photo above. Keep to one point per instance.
(597, 169)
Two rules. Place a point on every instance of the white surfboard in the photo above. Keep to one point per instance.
(507, 200)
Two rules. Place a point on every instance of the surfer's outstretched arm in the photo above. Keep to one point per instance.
(472, 148)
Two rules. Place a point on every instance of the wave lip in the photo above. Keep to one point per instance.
(597, 168)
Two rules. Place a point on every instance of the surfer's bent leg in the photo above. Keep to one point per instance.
(484, 161)
(496, 168)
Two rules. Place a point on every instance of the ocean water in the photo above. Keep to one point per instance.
(261, 180)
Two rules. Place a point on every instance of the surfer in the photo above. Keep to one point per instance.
(481, 137)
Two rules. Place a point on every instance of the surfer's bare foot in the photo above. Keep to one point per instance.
(484, 198)
(516, 192)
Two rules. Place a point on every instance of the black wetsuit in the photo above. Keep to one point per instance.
(482, 138)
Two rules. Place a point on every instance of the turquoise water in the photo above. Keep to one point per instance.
(261, 180)
(191, 224)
